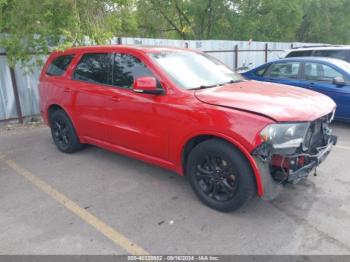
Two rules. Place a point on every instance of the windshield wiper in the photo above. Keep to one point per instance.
(209, 86)
(234, 81)
(203, 87)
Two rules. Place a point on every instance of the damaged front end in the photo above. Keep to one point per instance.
(289, 152)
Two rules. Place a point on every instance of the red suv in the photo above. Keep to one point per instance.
(186, 111)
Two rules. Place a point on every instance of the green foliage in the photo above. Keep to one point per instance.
(30, 27)
(260, 20)
(267, 20)
(325, 21)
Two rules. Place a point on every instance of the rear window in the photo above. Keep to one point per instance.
(299, 53)
(59, 65)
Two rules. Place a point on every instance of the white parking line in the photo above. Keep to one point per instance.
(342, 147)
(109, 232)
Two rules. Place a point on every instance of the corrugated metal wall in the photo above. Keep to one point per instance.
(244, 58)
(27, 82)
(7, 100)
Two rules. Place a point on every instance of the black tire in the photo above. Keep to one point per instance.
(63, 132)
(220, 175)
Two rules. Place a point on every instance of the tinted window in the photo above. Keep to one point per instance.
(95, 68)
(126, 68)
(284, 70)
(340, 54)
(59, 65)
(320, 72)
(299, 53)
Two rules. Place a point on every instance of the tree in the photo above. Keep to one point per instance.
(31, 27)
(195, 19)
(267, 20)
(325, 21)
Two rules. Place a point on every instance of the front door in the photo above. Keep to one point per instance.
(138, 122)
(287, 73)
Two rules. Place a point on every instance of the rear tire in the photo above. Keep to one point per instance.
(220, 175)
(63, 132)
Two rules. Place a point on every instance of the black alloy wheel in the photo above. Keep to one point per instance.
(63, 132)
(216, 177)
(61, 135)
(220, 175)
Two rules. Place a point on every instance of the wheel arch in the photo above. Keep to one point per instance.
(199, 138)
(55, 107)
(51, 109)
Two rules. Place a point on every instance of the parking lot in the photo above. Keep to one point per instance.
(98, 202)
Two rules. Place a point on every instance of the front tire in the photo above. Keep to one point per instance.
(63, 132)
(220, 175)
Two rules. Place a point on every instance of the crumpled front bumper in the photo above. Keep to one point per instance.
(317, 159)
(272, 187)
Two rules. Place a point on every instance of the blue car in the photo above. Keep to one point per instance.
(329, 76)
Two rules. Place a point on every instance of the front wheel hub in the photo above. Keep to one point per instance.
(216, 178)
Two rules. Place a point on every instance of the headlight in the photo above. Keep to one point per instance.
(284, 136)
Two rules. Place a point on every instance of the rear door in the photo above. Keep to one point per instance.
(91, 76)
(55, 86)
(319, 77)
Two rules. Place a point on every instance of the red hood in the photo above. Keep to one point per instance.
(280, 102)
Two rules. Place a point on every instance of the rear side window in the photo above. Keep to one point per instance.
(59, 65)
(126, 68)
(94, 68)
(340, 54)
(320, 72)
(299, 53)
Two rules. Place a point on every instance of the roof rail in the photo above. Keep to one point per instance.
(312, 46)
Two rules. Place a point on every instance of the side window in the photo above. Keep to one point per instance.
(320, 72)
(126, 68)
(59, 65)
(261, 71)
(284, 70)
(94, 68)
(299, 53)
(340, 54)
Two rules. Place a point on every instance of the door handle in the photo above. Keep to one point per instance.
(115, 98)
(66, 90)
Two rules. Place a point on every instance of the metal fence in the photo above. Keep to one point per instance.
(19, 93)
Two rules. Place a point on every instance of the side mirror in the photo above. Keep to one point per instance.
(146, 85)
(339, 81)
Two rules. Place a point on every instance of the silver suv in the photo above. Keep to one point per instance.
(335, 51)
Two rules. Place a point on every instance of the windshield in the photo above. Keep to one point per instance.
(194, 70)
(343, 65)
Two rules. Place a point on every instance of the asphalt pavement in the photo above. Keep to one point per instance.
(99, 202)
